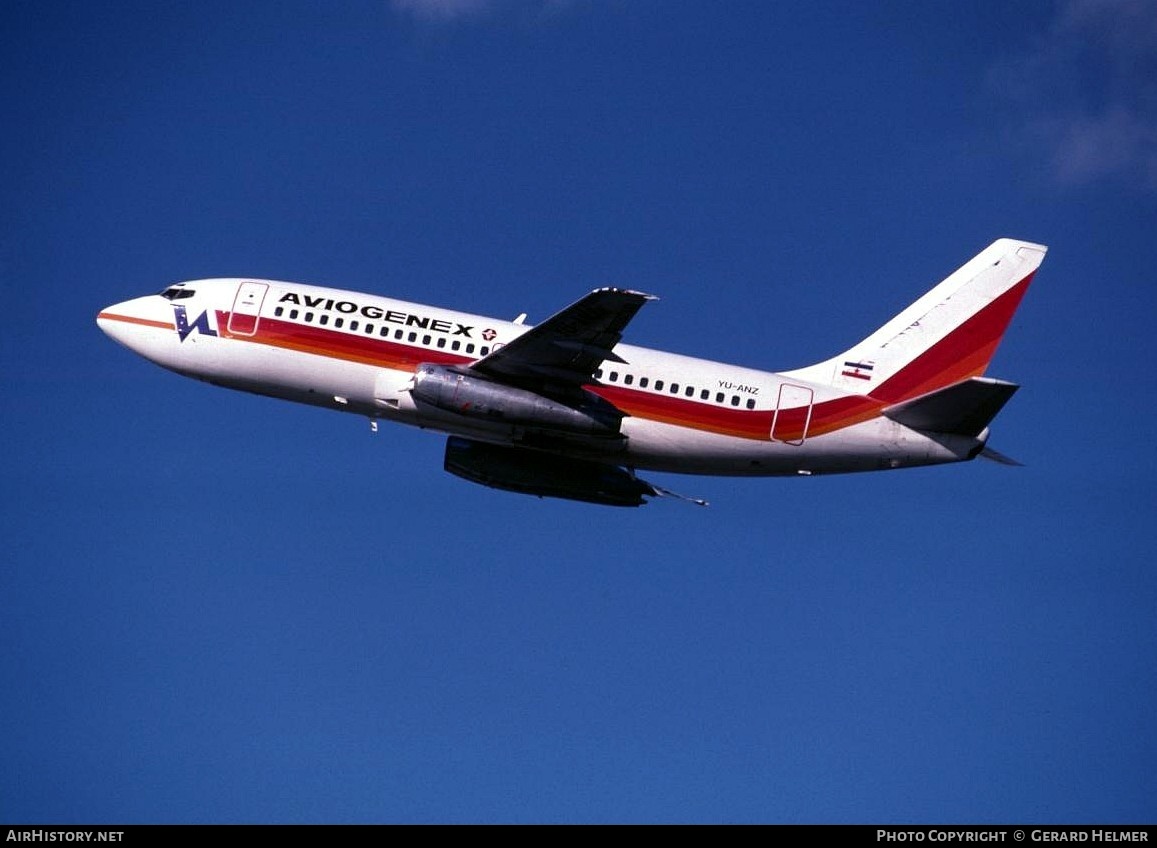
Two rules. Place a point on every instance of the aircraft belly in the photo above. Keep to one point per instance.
(287, 375)
(868, 446)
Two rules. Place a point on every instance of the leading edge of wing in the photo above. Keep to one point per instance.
(565, 349)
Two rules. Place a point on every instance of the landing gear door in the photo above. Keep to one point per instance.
(793, 414)
(247, 308)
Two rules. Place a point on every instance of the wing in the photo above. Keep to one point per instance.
(562, 353)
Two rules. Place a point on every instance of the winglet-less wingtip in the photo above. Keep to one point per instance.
(667, 493)
(632, 292)
(998, 457)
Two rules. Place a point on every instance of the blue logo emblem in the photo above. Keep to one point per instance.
(184, 328)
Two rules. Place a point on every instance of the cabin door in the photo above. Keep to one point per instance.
(247, 308)
(793, 414)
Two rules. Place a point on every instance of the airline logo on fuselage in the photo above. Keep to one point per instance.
(200, 324)
(348, 307)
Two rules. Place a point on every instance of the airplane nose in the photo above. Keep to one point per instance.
(106, 323)
(137, 324)
(119, 321)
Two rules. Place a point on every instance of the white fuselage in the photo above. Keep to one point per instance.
(359, 353)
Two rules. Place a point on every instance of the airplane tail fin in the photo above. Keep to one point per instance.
(947, 336)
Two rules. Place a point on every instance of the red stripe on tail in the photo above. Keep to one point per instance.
(965, 352)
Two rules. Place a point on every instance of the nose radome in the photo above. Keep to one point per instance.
(138, 324)
(115, 320)
(110, 319)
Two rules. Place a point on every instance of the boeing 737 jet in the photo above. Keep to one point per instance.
(565, 409)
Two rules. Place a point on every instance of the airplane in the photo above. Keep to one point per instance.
(564, 409)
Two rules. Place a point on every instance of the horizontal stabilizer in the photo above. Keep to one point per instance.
(964, 408)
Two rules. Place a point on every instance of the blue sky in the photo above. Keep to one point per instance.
(223, 608)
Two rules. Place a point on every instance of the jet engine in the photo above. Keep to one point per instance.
(461, 393)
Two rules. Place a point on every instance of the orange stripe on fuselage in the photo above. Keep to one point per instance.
(744, 423)
(129, 319)
(755, 424)
(334, 344)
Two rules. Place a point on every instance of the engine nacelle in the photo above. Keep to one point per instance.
(460, 393)
(543, 474)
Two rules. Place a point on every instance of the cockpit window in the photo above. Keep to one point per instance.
(177, 293)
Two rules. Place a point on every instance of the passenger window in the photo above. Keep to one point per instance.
(690, 392)
(705, 395)
(425, 340)
(384, 332)
(353, 325)
(279, 311)
(614, 376)
(735, 400)
(674, 388)
(309, 317)
(369, 329)
(323, 320)
(628, 379)
(719, 397)
(470, 347)
(293, 315)
(441, 341)
(598, 373)
(485, 349)
(457, 345)
(339, 322)
(413, 337)
(751, 403)
(643, 381)
(658, 385)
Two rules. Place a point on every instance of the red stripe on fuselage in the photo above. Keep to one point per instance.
(683, 412)
(826, 416)
(335, 344)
